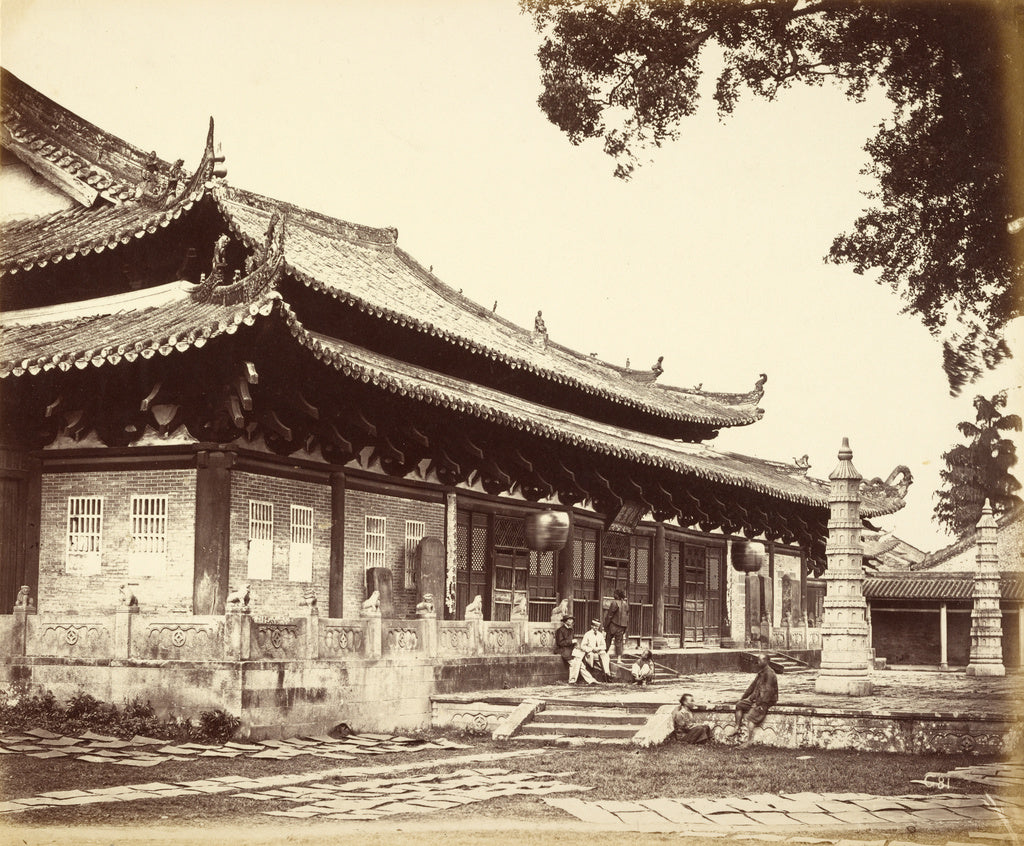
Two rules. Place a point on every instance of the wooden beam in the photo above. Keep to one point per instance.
(243, 393)
(251, 376)
(150, 398)
(235, 410)
(274, 424)
(306, 407)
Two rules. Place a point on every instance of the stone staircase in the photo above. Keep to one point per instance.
(584, 724)
(783, 663)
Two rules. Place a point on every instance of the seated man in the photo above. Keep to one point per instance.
(565, 645)
(685, 725)
(593, 647)
(643, 668)
(755, 702)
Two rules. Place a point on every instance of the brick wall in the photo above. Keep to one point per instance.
(280, 595)
(396, 510)
(160, 584)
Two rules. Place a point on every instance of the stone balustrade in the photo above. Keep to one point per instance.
(239, 635)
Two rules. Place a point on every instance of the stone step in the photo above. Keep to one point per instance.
(589, 716)
(574, 740)
(599, 730)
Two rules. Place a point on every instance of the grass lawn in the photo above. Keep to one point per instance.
(614, 772)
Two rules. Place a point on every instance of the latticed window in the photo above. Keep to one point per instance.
(640, 570)
(414, 532)
(148, 535)
(300, 547)
(261, 539)
(374, 542)
(84, 534)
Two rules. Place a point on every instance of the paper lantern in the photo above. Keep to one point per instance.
(547, 530)
(747, 557)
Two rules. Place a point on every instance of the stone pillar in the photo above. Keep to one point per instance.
(658, 585)
(986, 618)
(943, 638)
(18, 644)
(237, 633)
(429, 629)
(374, 639)
(336, 573)
(566, 582)
(312, 632)
(844, 628)
(123, 615)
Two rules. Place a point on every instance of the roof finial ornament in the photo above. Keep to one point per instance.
(494, 308)
(150, 186)
(759, 384)
(627, 364)
(220, 170)
(803, 462)
(656, 368)
(538, 324)
(176, 178)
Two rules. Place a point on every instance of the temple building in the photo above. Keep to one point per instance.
(206, 390)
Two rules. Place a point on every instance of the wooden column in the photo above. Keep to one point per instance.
(943, 639)
(658, 584)
(33, 526)
(213, 531)
(566, 582)
(336, 574)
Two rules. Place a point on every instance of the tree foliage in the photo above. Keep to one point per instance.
(979, 469)
(629, 72)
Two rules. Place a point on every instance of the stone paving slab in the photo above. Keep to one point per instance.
(143, 751)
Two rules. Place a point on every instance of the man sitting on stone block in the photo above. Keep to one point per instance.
(565, 645)
(685, 725)
(756, 700)
(594, 649)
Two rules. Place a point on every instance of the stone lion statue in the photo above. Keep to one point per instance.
(475, 609)
(23, 600)
(128, 596)
(425, 607)
(371, 607)
(521, 607)
(559, 611)
(239, 596)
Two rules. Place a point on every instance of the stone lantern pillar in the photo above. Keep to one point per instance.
(986, 618)
(844, 627)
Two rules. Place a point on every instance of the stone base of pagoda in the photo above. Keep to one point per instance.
(993, 669)
(851, 683)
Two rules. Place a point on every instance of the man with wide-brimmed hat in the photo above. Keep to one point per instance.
(565, 645)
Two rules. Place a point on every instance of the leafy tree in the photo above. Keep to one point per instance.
(628, 71)
(979, 469)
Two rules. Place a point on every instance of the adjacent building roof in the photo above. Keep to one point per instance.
(960, 556)
(932, 588)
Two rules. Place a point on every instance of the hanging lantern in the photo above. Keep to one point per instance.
(747, 557)
(547, 530)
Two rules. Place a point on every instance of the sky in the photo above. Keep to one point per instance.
(422, 115)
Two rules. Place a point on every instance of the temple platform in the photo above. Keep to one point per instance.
(909, 711)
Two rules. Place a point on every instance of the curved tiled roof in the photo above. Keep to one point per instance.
(954, 586)
(92, 162)
(783, 481)
(364, 267)
(36, 242)
(126, 326)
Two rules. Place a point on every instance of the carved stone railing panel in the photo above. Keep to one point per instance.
(342, 638)
(277, 640)
(63, 637)
(178, 639)
(501, 638)
(403, 636)
(540, 637)
(454, 637)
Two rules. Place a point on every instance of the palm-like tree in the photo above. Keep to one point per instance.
(979, 469)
